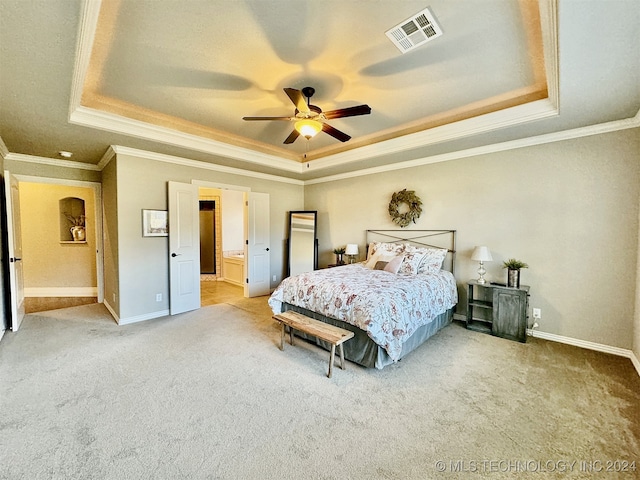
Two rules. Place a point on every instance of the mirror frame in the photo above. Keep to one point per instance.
(315, 237)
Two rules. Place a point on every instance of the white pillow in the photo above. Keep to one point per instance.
(412, 259)
(383, 247)
(433, 260)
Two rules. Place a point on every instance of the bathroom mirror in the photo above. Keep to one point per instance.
(303, 245)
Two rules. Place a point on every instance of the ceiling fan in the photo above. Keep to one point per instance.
(310, 119)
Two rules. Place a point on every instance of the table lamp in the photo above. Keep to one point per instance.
(351, 251)
(481, 254)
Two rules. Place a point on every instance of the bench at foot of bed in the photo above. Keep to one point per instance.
(336, 336)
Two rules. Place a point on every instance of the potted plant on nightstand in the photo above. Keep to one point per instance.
(513, 275)
(339, 253)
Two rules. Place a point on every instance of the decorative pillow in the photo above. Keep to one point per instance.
(382, 247)
(380, 265)
(379, 257)
(394, 265)
(432, 260)
(412, 259)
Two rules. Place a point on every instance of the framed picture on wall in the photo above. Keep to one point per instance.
(154, 223)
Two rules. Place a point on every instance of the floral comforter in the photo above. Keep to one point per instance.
(387, 306)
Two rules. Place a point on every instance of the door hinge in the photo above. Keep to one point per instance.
(246, 242)
(246, 280)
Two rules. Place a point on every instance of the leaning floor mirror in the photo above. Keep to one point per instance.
(303, 245)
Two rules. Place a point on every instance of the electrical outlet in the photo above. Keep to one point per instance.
(274, 278)
(158, 297)
(114, 297)
(537, 313)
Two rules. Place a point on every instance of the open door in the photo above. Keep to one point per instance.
(184, 248)
(14, 244)
(258, 266)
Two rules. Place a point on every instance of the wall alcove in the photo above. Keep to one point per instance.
(72, 220)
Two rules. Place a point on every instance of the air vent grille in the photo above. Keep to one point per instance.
(414, 31)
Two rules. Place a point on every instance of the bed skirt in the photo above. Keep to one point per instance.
(361, 349)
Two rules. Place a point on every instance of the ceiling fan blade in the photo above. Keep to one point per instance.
(292, 136)
(298, 99)
(335, 133)
(267, 118)
(348, 112)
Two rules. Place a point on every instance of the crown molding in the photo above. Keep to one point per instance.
(549, 27)
(86, 36)
(160, 157)
(633, 122)
(110, 154)
(473, 126)
(19, 157)
(89, 117)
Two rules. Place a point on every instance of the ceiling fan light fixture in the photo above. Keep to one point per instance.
(308, 128)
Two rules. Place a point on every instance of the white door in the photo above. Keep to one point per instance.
(184, 248)
(14, 243)
(258, 265)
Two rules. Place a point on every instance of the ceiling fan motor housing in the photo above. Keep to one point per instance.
(308, 91)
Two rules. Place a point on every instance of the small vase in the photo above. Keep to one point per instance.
(339, 260)
(513, 278)
(78, 234)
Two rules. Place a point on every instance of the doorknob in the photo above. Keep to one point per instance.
(175, 254)
(14, 259)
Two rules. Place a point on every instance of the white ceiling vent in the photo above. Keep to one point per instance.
(414, 31)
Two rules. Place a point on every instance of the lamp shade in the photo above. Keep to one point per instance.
(481, 254)
(352, 249)
(308, 128)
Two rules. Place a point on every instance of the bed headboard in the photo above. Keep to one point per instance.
(420, 238)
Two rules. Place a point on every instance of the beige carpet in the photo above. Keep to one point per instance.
(208, 394)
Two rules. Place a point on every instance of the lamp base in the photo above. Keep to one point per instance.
(481, 272)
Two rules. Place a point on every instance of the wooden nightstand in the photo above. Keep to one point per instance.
(498, 310)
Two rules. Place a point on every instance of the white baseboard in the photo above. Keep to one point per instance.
(112, 311)
(61, 292)
(142, 318)
(139, 318)
(599, 347)
(635, 361)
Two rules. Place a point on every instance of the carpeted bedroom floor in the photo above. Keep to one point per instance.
(208, 394)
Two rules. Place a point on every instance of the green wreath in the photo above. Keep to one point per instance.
(415, 207)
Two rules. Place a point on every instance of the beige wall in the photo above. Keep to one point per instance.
(110, 229)
(48, 262)
(569, 209)
(143, 263)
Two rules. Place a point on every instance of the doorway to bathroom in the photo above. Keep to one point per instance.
(222, 235)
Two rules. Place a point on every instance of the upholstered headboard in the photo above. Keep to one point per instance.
(445, 239)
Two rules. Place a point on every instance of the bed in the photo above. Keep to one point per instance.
(400, 296)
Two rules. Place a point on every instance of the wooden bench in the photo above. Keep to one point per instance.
(336, 336)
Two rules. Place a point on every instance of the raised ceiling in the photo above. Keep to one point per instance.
(177, 77)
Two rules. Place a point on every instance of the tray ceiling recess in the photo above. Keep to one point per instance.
(415, 31)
